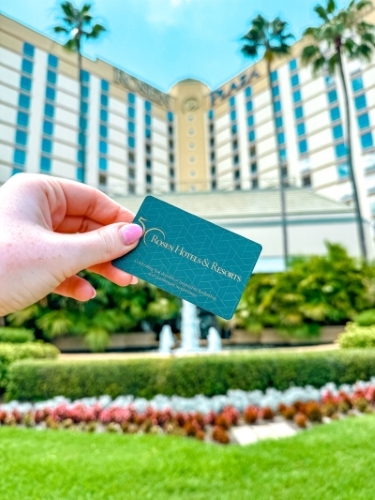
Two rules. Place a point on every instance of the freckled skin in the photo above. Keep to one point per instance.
(50, 229)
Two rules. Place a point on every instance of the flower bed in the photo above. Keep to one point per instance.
(199, 417)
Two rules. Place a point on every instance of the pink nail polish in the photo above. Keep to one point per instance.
(131, 233)
(93, 293)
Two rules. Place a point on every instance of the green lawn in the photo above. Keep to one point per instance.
(335, 462)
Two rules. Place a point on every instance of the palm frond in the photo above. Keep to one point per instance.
(96, 31)
(322, 13)
(310, 53)
(60, 29)
(332, 63)
(68, 9)
(331, 6)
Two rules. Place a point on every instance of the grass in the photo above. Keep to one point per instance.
(334, 462)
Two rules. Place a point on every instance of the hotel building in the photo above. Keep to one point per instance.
(141, 140)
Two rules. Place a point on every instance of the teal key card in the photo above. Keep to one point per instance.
(191, 257)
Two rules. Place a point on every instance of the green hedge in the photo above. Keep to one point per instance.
(16, 335)
(357, 336)
(9, 353)
(38, 380)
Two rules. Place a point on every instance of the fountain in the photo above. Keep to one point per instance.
(189, 329)
(214, 340)
(166, 340)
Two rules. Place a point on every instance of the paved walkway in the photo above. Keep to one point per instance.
(155, 354)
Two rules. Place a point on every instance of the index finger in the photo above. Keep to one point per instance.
(86, 201)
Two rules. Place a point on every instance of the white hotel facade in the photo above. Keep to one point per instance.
(140, 139)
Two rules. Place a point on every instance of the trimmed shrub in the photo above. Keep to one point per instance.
(357, 336)
(16, 335)
(41, 380)
(9, 353)
(365, 318)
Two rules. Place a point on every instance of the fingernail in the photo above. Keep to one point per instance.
(134, 280)
(131, 233)
(93, 293)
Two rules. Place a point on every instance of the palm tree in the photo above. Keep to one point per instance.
(343, 33)
(77, 25)
(271, 38)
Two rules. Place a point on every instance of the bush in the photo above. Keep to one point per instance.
(9, 353)
(357, 336)
(365, 318)
(16, 335)
(41, 380)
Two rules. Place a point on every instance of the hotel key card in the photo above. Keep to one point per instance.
(190, 257)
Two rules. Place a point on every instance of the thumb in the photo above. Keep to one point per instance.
(102, 245)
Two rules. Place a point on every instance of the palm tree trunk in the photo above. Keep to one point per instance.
(281, 179)
(81, 128)
(361, 234)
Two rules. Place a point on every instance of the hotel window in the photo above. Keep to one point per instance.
(275, 91)
(306, 180)
(81, 139)
(293, 64)
(250, 120)
(248, 92)
(131, 112)
(80, 156)
(148, 120)
(235, 145)
(46, 146)
(148, 179)
(170, 116)
(284, 172)
(21, 137)
(363, 121)
(233, 115)
(51, 77)
(102, 163)
(27, 66)
(131, 98)
(83, 123)
(22, 119)
(103, 148)
(80, 174)
(232, 101)
(148, 106)
(360, 101)
(211, 128)
(302, 146)
(213, 170)
(236, 175)
(357, 84)
(84, 107)
(254, 168)
(335, 114)
(251, 136)
(50, 93)
(102, 179)
(279, 122)
(171, 158)
(103, 99)
(297, 96)
(367, 140)
(301, 130)
(45, 164)
(28, 49)
(277, 106)
(103, 115)
(131, 173)
(282, 155)
(171, 172)
(131, 189)
(131, 142)
(255, 183)
(273, 76)
(236, 159)
(85, 76)
(25, 83)
(249, 106)
(340, 150)
(337, 132)
(85, 95)
(49, 110)
(171, 144)
(294, 80)
(103, 131)
(19, 156)
(213, 185)
(131, 157)
(252, 151)
(170, 130)
(52, 61)
(281, 138)
(104, 85)
(298, 112)
(148, 163)
(332, 96)
(234, 129)
(343, 171)
(131, 127)
(148, 149)
(24, 101)
(212, 142)
(148, 133)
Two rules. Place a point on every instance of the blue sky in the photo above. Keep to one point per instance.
(163, 41)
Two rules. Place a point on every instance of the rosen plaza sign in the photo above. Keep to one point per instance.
(135, 85)
(227, 90)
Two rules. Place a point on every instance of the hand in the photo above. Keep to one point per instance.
(50, 229)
